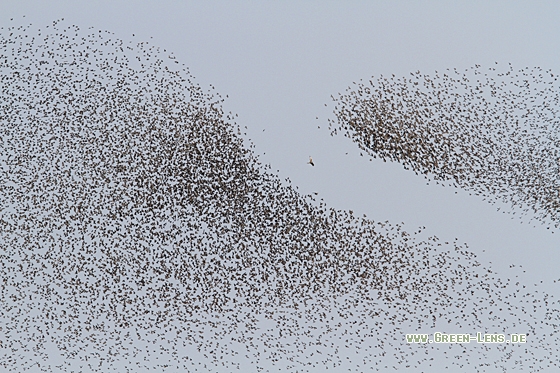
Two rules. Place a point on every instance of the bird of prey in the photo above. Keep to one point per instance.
(311, 161)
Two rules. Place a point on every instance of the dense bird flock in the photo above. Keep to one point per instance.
(493, 132)
(138, 233)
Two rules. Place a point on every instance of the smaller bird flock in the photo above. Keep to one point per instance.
(138, 233)
(493, 132)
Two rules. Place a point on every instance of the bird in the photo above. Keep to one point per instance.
(311, 161)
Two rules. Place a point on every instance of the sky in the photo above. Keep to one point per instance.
(280, 62)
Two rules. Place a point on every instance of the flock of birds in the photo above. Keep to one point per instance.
(138, 233)
(493, 132)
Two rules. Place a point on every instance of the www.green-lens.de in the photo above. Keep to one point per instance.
(465, 338)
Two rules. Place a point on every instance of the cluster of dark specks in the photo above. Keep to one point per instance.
(492, 132)
(138, 233)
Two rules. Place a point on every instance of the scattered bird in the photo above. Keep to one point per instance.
(492, 132)
(137, 229)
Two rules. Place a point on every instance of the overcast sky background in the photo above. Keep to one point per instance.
(279, 63)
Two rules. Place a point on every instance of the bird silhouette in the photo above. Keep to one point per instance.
(311, 161)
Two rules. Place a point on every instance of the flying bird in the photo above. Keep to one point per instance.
(311, 161)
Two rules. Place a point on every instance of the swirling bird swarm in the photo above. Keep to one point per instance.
(137, 229)
(491, 132)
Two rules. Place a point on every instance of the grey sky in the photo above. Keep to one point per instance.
(279, 63)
